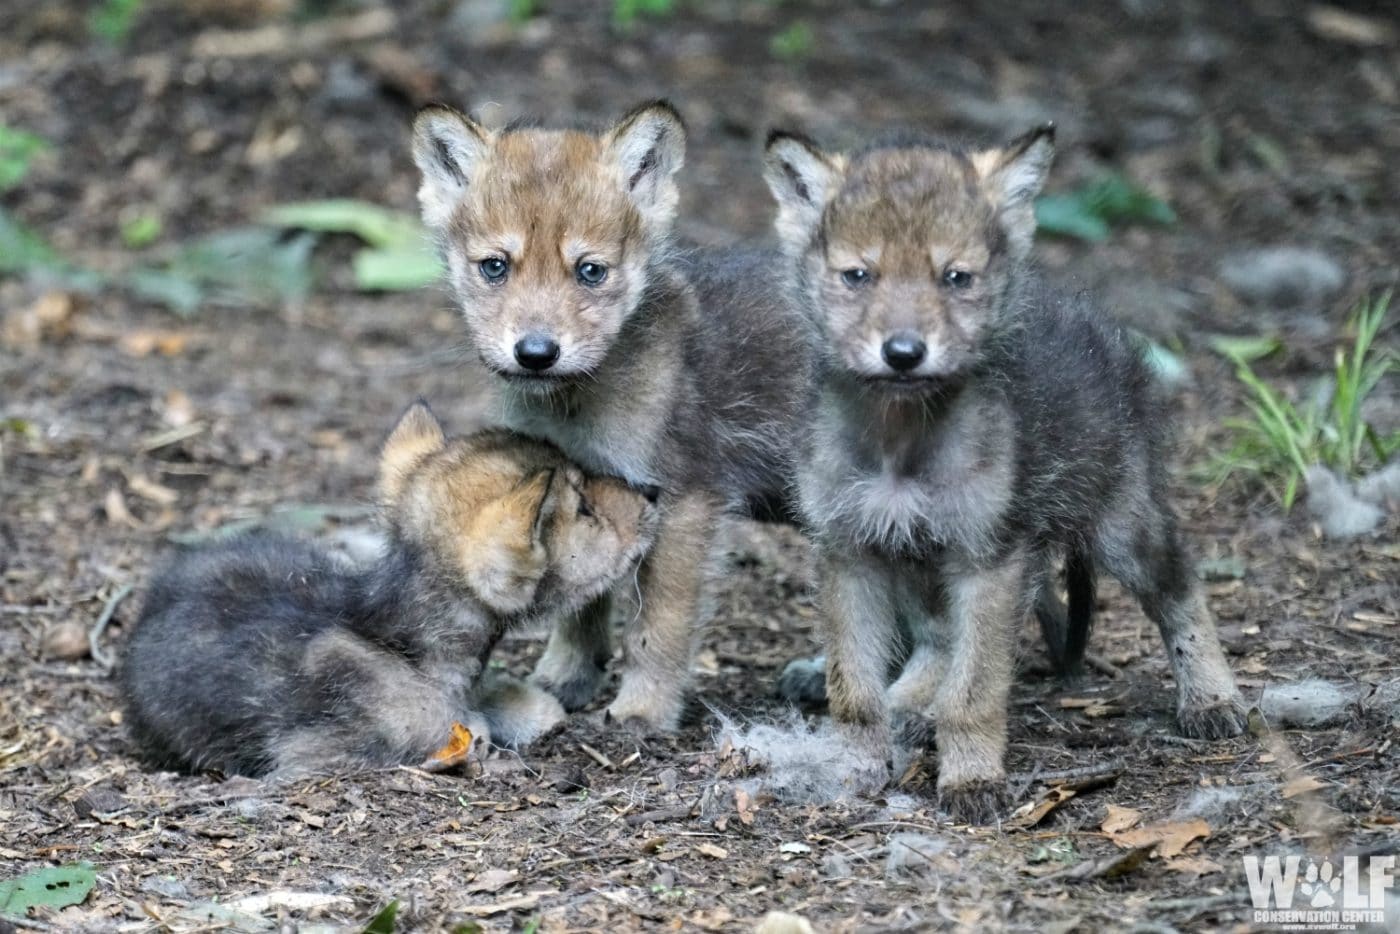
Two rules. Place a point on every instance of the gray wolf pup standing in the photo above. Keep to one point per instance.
(685, 370)
(970, 426)
(268, 655)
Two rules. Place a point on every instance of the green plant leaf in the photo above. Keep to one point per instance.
(141, 231)
(383, 923)
(377, 226)
(1245, 349)
(248, 266)
(17, 152)
(22, 250)
(113, 19)
(56, 887)
(1088, 212)
(1066, 216)
(396, 269)
(794, 43)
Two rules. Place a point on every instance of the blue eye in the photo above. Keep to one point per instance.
(855, 278)
(493, 269)
(958, 278)
(590, 273)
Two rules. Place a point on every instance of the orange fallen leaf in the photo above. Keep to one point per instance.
(1120, 819)
(454, 753)
(1170, 838)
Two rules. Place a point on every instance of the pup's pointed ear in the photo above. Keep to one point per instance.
(803, 179)
(417, 435)
(646, 148)
(446, 146)
(1012, 176)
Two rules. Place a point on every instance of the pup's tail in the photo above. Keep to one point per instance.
(1065, 625)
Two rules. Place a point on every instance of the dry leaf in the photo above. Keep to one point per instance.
(115, 506)
(743, 803)
(712, 851)
(782, 922)
(148, 489)
(1195, 865)
(1340, 25)
(1170, 838)
(1033, 812)
(179, 410)
(66, 641)
(144, 343)
(493, 880)
(1120, 819)
(49, 318)
(521, 902)
(1301, 786)
(454, 753)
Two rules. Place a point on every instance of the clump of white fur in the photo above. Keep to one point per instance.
(803, 763)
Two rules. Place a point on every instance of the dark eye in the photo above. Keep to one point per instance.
(957, 278)
(591, 273)
(493, 269)
(855, 278)
(584, 510)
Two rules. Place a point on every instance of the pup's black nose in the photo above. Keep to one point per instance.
(651, 491)
(903, 352)
(536, 352)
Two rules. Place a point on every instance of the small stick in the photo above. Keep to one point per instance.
(659, 816)
(1102, 770)
(1103, 666)
(95, 633)
(597, 756)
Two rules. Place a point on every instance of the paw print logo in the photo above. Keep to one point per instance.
(1321, 884)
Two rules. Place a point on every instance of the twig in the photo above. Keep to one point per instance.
(659, 816)
(597, 756)
(1103, 666)
(1198, 903)
(95, 633)
(1097, 772)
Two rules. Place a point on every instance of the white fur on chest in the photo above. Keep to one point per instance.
(918, 494)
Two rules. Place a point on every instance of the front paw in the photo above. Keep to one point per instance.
(976, 802)
(645, 711)
(574, 689)
(1213, 721)
(803, 682)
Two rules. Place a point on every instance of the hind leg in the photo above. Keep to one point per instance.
(1143, 549)
(576, 656)
(363, 706)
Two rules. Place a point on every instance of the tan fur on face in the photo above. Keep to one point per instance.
(545, 201)
(501, 512)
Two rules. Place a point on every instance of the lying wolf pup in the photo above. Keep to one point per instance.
(969, 426)
(266, 654)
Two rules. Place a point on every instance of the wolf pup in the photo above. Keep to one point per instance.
(969, 427)
(684, 370)
(267, 654)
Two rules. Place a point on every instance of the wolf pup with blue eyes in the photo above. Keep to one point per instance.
(970, 426)
(681, 369)
(265, 654)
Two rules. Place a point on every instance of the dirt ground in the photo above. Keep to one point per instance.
(1258, 121)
